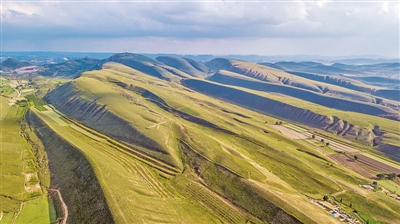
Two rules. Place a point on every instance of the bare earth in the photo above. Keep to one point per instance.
(365, 166)
(289, 132)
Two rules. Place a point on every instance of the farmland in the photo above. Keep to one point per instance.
(364, 165)
(21, 190)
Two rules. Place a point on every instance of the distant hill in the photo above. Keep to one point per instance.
(191, 67)
(365, 61)
(12, 64)
(307, 95)
(337, 68)
(311, 67)
(146, 65)
(70, 68)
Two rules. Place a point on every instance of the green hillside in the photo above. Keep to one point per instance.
(196, 152)
(171, 140)
(286, 80)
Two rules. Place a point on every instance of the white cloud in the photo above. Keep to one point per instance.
(372, 23)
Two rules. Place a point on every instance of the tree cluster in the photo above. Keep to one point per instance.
(390, 176)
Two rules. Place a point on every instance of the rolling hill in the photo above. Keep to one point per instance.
(134, 139)
(71, 68)
(12, 64)
(189, 66)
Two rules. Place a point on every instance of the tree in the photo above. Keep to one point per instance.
(391, 176)
(355, 157)
(327, 144)
(381, 176)
(325, 197)
(313, 136)
(398, 175)
(322, 140)
(277, 123)
(280, 122)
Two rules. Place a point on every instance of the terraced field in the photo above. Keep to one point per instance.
(23, 197)
(216, 204)
(131, 187)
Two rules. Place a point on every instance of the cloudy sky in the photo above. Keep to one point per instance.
(331, 28)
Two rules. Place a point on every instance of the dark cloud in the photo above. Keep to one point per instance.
(373, 23)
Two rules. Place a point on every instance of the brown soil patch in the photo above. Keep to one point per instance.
(376, 165)
(349, 162)
(365, 166)
(289, 132)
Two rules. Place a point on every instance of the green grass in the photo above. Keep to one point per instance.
(370, 220)
(41, 108)
(6, 90)
(54, 116)
(4, 107)
(12, 112)
(36, 100)
(7, 218)
(371, 205)
(190, 111)
(21, 111)
(256, 152)
(36, 211)
(12, 165)
(390, 185)
(18, 158)
(130, 185)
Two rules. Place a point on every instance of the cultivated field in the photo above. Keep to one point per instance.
(22, 198)
(290, 133)
(364, 165)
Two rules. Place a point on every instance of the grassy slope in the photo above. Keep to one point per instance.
(267, 74)
(3, 107)
(362, 120)
(274, 74)
(255, 155)
(330, 99)
(183, 65)
(18, 159)
(132, 189)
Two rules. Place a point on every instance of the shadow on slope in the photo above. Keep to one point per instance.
(337, 103)
(72, 173)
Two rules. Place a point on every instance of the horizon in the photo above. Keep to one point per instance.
(363, 56)
(265, 28)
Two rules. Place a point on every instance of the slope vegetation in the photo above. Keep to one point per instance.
(11, 64)
(271, 75)
(318, 98)
(73, 175)
(298, 111)
(70, 68)
(147, 65)
(188, 66)
(163, 152)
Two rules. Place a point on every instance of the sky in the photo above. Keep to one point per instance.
(329, 28)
